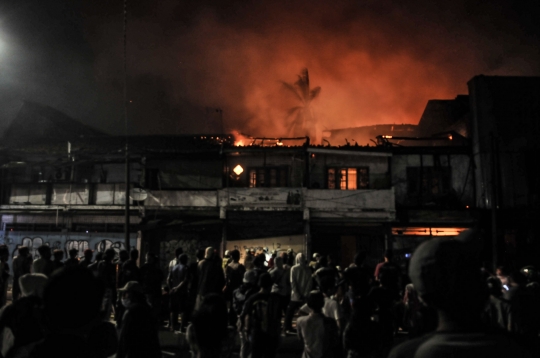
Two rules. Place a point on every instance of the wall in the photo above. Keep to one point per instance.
(99, 242)
(461, 171)
(280, 244)
(319, 164)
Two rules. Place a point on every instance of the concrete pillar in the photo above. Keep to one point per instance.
(307, 235)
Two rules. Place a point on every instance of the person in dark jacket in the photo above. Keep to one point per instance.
(139, 332)
(211, 276)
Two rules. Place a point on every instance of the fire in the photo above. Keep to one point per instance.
(241, 140)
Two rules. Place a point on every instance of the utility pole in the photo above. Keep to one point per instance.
(126, 212)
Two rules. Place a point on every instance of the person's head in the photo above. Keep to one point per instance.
(265, 281)
(134, 255)
(388, 255)
(315, 301)
(502, 274)
(123, 255)
(259, 260)
(132, 294)
(494, 286)
(235, 255)
(4, 253)
(278, 262)
(44, 252)
(73, 253)
(446, 274)
(109, 255)
(285, 257)
(151, 258)
(32, 284)
(210, 323)
(99, 256)
(183, 259)
(323, 261)
(250, 278)
(358, 281)
(24, 251)
(88, 254)
(328, 285)
(178, 252)
(64, 295)
(209, 253)
(359, 258)
(300, 259)
(316, 257)
(227, 254)
(58, 255)
(200, 254)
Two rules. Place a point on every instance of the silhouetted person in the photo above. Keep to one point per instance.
(151, 280)
(318, 333)
(4, 274)
(22, 317)
(234, 274)
(248, 288)
(44, 263)
(139, 333)
(179, 281)
(69, 330)
(87, 259)
(208, 335)
(22, 264)
(58, 256)
(282, 283)
(130, 270)
(177, 252)
(301, 284)
(73, 260)
(447, 276)
(106, 272)
(261, 319)
(211, 276)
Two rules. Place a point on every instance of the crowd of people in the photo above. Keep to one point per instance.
(446, 303)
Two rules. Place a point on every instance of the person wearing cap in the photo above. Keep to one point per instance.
(139, 333)
(446, 274)
(73, 259)
(22, 264)
(87, 259)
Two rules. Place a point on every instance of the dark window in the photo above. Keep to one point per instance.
(428, 183)
(348, 178)
(272, 177)
(151, 179)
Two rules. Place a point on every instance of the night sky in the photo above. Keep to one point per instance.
(376, 61)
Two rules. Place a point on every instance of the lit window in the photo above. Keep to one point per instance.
(272, 177)
(348, 178)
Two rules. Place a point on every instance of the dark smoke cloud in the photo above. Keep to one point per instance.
(376, 61)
